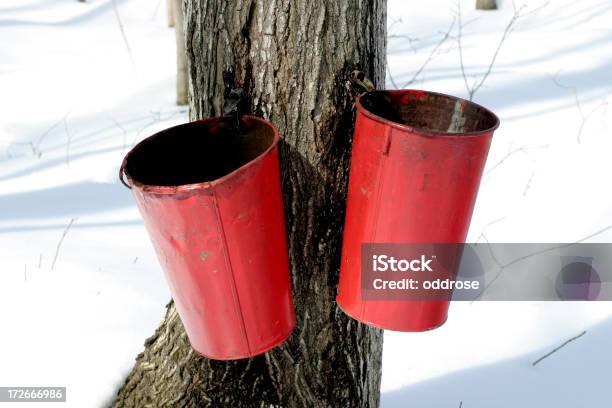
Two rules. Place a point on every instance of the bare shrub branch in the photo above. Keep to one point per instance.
(502, 267)
(436, 50)
(123, 34)
(558, 348)
(583, 117)
(511, 152)
(434, 53)
(479, 82)
(68, 139)
(59, 244)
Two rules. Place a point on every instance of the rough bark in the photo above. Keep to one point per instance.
(293, 58)
(181, 55)
(486, 4)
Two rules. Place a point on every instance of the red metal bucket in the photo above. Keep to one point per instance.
(211, 202)
(416, 165)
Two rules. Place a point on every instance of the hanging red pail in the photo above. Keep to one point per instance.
(211, 200)
(416, 165)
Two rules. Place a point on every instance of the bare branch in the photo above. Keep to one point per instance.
(584, 117)
(156, 10)
(68, 138)
(393, 83)
(125, 40)
(539, 252)
(49, 130)
(459, 36)
(487, 225)
(411, 40)
(434, 53)
(59, 244)
(34, 146)
(528, 185)
(478, 83)
(394, 21)
(123, 146)
(558, 348)
(522, 149)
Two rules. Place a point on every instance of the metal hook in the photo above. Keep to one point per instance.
(234, 101)
(359, 79)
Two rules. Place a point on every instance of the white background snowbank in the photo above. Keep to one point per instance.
(73, 101)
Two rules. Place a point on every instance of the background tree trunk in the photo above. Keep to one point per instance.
(171, 12)
(486, 4)
(181, 54)
(293, 58)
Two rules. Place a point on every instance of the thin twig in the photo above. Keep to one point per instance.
(125, 39)
(490, 248)
(459, 36)
(411, 40)
(47, 132)
(124, 135)
(522, 149)
(157, 117)
(59, 244)
(503, 267)
(434, 52)
(68, 138)
(558, 348)
(393, 83)
(156, 9)
(528, 185)
(584, 117)
(487, 225)
(507, 30)
(394, 21)
(478, 83)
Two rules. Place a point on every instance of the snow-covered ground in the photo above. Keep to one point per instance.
(74, 97)
(545, 181)
(69, 87)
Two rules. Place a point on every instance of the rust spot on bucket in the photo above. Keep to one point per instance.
(425, 182)
(203, 255)
(366, 192)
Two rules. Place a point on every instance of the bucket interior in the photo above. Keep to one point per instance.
(197, 152)
(429, 111)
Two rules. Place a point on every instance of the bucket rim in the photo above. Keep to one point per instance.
(203, 185)
(421, 131)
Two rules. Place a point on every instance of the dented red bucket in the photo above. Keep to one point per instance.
(210, 196)
(416, 165)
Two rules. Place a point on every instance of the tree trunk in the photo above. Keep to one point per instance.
(181, 55)
(171, 11)
(486, 4)
(293, 59)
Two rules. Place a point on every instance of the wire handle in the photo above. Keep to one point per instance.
(122, 174)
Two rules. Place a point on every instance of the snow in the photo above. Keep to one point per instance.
(75, 97)
(551, 189)
(66, 74)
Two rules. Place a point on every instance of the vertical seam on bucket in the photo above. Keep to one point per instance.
(228, 265)
(380, 180)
